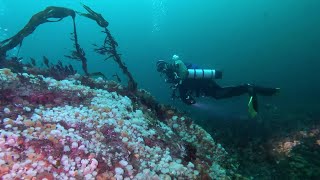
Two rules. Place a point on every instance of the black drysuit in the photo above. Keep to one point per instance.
(209, 88)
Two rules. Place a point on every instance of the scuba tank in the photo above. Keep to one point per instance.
(204, 74)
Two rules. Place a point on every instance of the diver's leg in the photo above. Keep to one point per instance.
(252, 90)
(227, 92)
(264, 91)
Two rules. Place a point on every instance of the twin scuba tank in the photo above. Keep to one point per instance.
(204, 74)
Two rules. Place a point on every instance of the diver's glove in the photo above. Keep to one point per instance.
(253, 106)
(189, 100)
(277, 91)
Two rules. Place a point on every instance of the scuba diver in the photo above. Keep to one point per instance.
(189, 79)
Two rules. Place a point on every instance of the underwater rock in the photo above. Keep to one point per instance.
(62, 129)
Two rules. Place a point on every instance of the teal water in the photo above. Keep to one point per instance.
(267, 42)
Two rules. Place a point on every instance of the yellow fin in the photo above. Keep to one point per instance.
(253, 113)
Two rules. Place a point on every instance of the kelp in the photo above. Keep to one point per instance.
(109, 46)
(35, 21)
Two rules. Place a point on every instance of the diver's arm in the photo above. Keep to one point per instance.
(181, 69)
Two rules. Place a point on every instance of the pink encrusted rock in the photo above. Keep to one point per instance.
(67, 133)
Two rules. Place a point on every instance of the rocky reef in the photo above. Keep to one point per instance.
(57, 124)
(283, 144)
(64, 129)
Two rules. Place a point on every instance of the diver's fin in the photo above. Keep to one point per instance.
(253, 106)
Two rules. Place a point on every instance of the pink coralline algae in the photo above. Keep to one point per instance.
(66, 130)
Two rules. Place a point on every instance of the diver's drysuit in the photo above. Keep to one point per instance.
(208, 87)
(190, 80)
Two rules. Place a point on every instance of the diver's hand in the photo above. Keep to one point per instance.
(189, 100)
